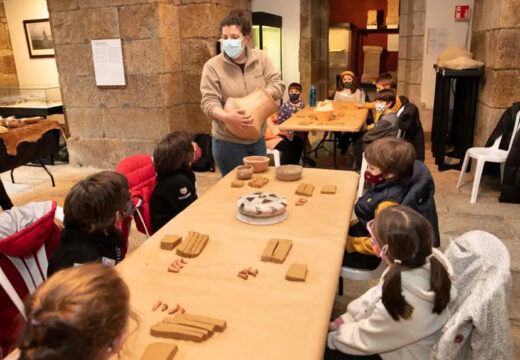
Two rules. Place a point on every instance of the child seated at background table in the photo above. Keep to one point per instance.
(79, 313)
(387, 121)
(92, 208)
(348, 89)
(394, 177)
(293, 105)
(176, 187)
(289, 145)
(402, 317)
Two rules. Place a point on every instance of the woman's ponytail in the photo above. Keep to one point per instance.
(392, 296)
(440, 284)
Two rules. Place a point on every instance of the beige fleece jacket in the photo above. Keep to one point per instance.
(222, 78)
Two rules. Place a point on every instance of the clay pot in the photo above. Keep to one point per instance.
(259, 163)
(244, 172)
(289, 172)
(323, 111)
(259, 105)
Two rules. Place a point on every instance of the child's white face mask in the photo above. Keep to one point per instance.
(380, 107)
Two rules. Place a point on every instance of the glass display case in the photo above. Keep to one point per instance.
(30, 101)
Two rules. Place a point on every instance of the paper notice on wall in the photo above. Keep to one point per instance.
(437, 40)
(108, 62)
(392, 42)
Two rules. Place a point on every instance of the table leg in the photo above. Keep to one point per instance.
(48, 172)
(305, 140)
(335, 150)
(5, 202)
(12, 175)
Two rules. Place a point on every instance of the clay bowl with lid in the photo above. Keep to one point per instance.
(244, 172)
(259, 163)
(289, 172)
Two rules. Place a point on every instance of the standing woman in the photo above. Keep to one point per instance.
(236, 72)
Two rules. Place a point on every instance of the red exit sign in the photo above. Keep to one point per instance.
(462, 12)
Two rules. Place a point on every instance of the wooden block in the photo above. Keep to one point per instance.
(237, 183)
(308, 190)
(328, 189)
(196, 324)
(300, 189)
(201, 244)
(159, 351)
(258, 182)
(182, 250)
(170, 241)
(220, 325)
(196, 238)
(268, 253)
(177, 331)
(296, 272)
(282, 250)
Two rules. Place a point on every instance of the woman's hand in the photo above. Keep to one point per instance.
(238, 118)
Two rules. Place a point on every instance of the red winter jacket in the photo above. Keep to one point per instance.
(23, 231)
(140, 173)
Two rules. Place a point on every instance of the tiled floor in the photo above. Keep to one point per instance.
(456, 214)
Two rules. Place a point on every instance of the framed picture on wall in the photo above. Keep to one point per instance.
(39, 38)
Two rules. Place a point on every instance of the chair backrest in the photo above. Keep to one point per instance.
(140, 172)
(479, 326)
(515, 130)
(28, 236)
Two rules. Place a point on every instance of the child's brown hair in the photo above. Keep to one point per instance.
(93, 203)
(392, 156)
(355, 82)
(386, 95)
(173, 152)
(409, 237)
(385, 79)
(78, 313)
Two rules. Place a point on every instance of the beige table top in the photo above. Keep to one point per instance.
(345, 117)
(267, 317)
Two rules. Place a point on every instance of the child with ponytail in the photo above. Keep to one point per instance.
(401, 318)
(80, 313)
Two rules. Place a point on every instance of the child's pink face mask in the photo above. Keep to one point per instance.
(380, 252)
(197, 152)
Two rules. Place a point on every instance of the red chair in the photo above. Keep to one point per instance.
(140, 173)
(28, 236)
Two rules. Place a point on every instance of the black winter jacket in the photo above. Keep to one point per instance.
(78, 247)
(511, 183)
(410, 123)
(172, 194)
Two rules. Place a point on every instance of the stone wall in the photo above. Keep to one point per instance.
(8, 75)
(411, 46)
(165, 44)
(495, 40)
(314, 47)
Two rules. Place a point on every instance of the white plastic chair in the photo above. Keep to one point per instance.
(483, 155)
(359, 274)
(276, 156)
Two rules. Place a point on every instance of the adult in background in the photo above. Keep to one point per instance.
(236, 72)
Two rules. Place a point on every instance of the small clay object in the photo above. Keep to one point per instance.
(242, 275)
(289, 172)
(159, 351)
(164, 307)
(258, 182)
(174, 309)
(276, 250)
(184, 261)
(169, 242)
(181, 310)
(328, 189)
(156, 305)
(173, 269)
(296, 272)
(252, 272)
(179, 263)
(244, 172)
(237, 183)
(305, 189)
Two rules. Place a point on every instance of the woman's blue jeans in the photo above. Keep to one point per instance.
(229, 155)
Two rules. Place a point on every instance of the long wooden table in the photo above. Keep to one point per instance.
(267, 317)
(345, 118)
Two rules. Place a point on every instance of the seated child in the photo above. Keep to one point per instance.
(294, 104)
(79, 313)
(176, 188)
(289, 145)
(348, 89)
(402, 317)
(394, 177)
(387, 121)
(92, 208)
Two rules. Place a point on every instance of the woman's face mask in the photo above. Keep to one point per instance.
(232, 47)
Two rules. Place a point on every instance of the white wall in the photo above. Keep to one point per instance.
(441, 14)
(289, 10)
(38, 71)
